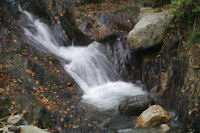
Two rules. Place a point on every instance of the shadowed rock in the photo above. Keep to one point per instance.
(135, 105)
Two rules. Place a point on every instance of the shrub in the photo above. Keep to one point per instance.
(185, 10)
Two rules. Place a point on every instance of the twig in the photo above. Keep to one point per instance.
(170, 36)
(180, 40)
(194, 28)
(4, 118)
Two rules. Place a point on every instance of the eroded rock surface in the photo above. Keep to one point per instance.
(152, 116)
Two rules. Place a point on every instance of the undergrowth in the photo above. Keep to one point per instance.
(187, 20)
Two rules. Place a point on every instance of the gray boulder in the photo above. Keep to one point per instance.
(150, 30)
(135, 105)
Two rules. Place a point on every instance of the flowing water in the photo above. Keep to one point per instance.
(94, 73)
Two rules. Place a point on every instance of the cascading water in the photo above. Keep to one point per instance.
(89, 67)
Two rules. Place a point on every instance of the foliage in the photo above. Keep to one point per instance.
(187, 19)
(195, 38)
(185, 10)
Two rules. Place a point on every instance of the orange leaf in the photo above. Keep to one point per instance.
(59, 129)
(70, 88)
(69, 126)
(62, 120)
(69, 83)
(34, 122)
(37, 82)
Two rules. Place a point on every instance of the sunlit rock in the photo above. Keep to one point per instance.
(150, 29)
(152, 116)
(14, 119)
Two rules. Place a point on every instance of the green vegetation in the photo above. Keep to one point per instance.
(185, 10)
(195, 38)
(187, 20)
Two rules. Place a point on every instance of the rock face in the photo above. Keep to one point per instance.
(152, 116)
(135, 105)
(14, 119)
(195, 56)
(150, 29)
(176, 80)
(98, 25)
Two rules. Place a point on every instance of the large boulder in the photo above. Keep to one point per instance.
(135, 105)
(150, 29)
(152, 116)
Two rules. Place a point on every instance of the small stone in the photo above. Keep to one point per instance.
(152, 116)
(164, 128)
(31, 129)
(14, 119)
(13, 128)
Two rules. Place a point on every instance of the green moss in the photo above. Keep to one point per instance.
(195, 38)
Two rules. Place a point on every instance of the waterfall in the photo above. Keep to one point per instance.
(94, 73)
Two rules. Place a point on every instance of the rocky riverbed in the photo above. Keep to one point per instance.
(35, 87)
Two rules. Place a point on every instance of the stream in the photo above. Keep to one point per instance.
(87, 65)
(103, 88)
(101, 71)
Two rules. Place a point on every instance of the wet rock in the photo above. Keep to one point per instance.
(164, 128)
(152, 116)
(177, 83)
(98, 24)
(150, 30)
(135, 105)
(31, 129)
(15, 120)
(13, 128)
